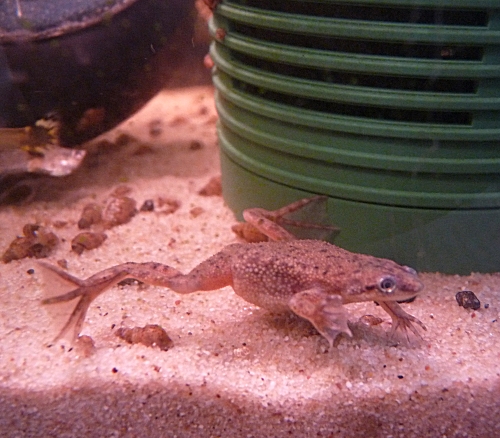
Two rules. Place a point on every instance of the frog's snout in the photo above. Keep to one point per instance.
(412, 286)
(412, 283)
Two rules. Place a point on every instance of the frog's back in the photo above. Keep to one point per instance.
(304, 257)
(270, 273)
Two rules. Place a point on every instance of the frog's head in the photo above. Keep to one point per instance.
(384, 280)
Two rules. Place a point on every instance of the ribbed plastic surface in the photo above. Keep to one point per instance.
(384, 106)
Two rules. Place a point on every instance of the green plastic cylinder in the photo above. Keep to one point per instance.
(390, 108)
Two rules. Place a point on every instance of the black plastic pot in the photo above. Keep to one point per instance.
(92, 63)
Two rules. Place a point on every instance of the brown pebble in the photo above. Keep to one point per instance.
(151, 335)
(30, 230)
(123, 139)
(148, 205)
(84, 346)
(87, 240)
(195, 145)
(468, 300)
(196, 211)
(119, 211)
(91, 215)
(18, 249)
(63, 263)
(155, 128)
(37, 242)
(212, 188)
(168, 205)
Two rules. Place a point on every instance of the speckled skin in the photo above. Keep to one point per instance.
(312, 278)
(269, 274)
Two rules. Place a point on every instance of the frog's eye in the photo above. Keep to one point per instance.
(387, 285)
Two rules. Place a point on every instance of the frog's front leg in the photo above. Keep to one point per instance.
(325, 311)
(211, 274)
(400, 319)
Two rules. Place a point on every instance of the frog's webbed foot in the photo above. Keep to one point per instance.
(401, 320)
(89, 289)
(323, 310)
(84, 290)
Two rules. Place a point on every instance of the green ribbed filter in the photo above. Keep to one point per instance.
(391, 108)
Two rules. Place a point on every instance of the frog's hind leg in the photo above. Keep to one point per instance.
(213, 273)
(89, 289)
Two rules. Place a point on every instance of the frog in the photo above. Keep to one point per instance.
(313, 279)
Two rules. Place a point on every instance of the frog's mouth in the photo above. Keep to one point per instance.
(408, 300)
